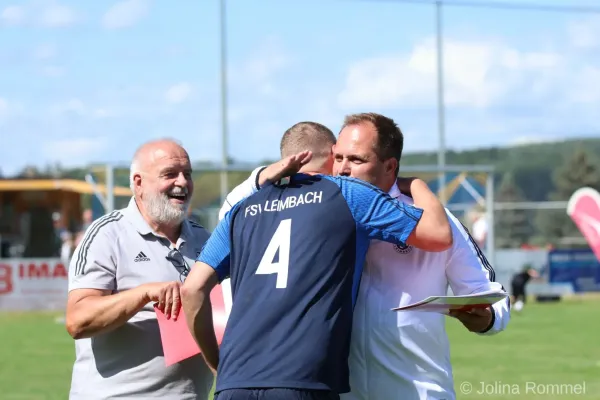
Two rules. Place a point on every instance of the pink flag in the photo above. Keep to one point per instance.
(584, 210)
(177, 341)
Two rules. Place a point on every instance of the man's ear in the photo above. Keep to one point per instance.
(390, 165)
(137, 181)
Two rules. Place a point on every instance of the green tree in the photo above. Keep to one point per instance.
(580, 170)
(30, 171)
(512, 226)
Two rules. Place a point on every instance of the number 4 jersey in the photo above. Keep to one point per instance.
(295, 253)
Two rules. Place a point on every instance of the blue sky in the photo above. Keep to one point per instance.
(87, 82)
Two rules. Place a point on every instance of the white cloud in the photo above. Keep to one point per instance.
(125, 14)
(74, 151)
(178, 93)
(265, 62)
(12, 15)
(585, 33)
(46, 61)
(476, 74)
(56, 15)
(44, 13)
(261, 67)
(584, 86)
(526, 140)
(496, 92)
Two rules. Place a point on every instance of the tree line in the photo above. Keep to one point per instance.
(527, 173)
(533, 173)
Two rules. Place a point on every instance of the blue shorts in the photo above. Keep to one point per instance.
(276, 394)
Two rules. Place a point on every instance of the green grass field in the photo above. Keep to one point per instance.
(547, 345)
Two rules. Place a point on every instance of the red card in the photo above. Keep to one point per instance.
(177, 341)
(219, 313)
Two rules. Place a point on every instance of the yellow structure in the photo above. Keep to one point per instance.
(63, 195)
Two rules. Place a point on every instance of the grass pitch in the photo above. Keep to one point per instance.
(549, 351)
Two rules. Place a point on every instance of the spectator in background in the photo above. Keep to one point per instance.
(86, 217)
(67, 247)
(59, 233)
(86, 221)
(519, 283)
(479, 228)
(126, 261)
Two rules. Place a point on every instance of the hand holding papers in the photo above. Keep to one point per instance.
(177, 341)
(443, 304)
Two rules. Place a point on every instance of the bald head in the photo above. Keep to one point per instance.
(150, 152)
(311, 136)
(161, 180)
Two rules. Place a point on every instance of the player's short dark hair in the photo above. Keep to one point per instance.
(390, 140)
(307, 136)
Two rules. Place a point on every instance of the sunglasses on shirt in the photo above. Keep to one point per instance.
(178, 261)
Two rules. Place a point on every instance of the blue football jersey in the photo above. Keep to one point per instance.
(295, 254)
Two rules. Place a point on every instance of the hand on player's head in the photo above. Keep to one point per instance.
(287, 166)
(297, 161)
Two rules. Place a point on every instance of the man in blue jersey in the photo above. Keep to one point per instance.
(295, 253)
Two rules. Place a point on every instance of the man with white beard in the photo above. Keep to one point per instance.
(126, 262)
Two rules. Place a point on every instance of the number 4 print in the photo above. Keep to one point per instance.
(280, 241)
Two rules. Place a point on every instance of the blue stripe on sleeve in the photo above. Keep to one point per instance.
(217, 249)
(376, 212)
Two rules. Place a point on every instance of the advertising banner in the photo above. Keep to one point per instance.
(579, 267)
(33, 284)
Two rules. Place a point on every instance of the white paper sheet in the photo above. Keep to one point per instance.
(443, 304)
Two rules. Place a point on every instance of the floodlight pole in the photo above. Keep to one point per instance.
(440, 104)
(110, 189)
(224, 124)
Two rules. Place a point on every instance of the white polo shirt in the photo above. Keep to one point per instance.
(119, 252)
(406, 354)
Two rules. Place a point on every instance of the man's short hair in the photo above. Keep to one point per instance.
(390, 140)
(307, 136)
